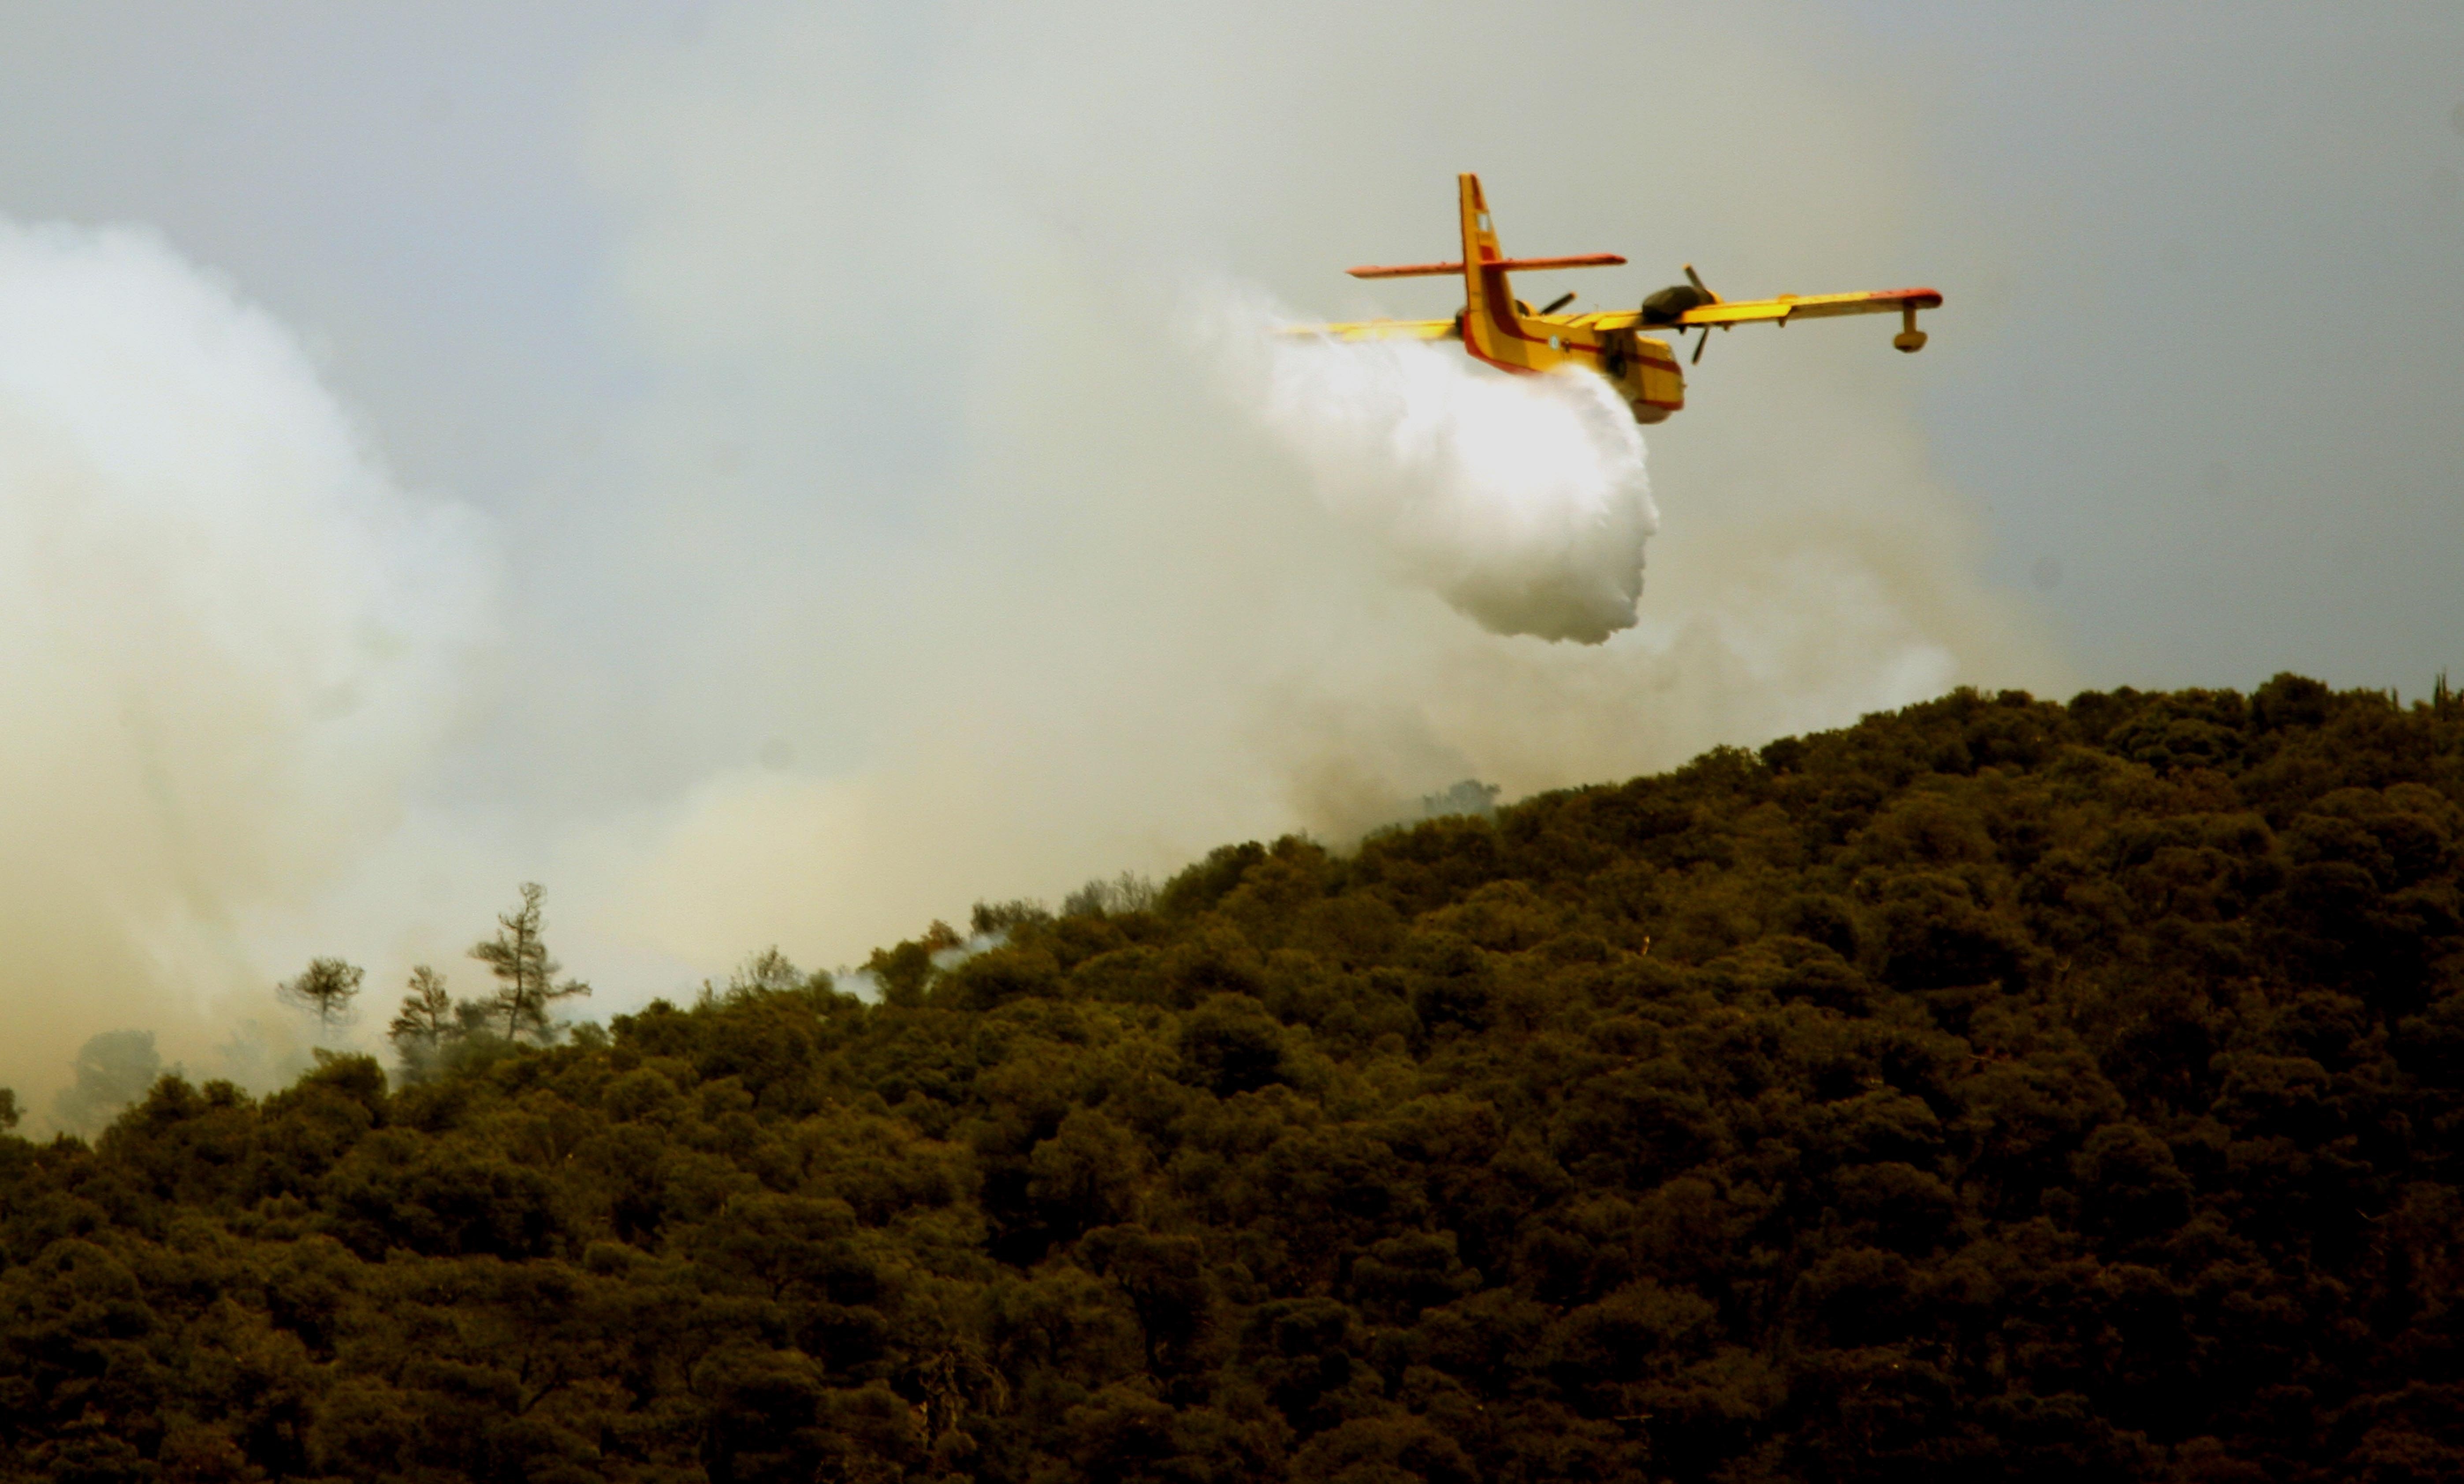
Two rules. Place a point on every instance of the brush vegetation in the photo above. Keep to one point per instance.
(1994, 1090)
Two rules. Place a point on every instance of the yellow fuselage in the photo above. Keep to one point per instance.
(1500, 330)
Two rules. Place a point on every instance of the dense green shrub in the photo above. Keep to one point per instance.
(1993, 1090)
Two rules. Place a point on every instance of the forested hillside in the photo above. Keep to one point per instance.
(1995, 1090)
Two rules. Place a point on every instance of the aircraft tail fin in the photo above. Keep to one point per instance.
(1487, 298)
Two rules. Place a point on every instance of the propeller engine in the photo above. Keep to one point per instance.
(1668, 306)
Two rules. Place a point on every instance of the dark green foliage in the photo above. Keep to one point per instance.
(1230, 1044)
(903, 972)
(113, 1070)
(1993, 1091)
(426, 1025)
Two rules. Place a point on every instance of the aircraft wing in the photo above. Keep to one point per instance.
(1379, 330)
(1783, 309)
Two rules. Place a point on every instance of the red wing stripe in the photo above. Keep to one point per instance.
(1577, 260)
(1404, 270)
(1507, 264)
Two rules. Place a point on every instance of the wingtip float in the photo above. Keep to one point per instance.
(1501, 330)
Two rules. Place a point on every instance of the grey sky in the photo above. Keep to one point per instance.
(2223, 391)
(2212, 412)
(400, 182)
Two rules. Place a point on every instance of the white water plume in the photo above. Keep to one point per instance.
(1521, 500)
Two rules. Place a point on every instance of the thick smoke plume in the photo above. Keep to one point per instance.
(229, 640)
(918, 562)
(1521, 501)
(963, 577)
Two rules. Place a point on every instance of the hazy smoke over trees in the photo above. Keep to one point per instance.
(112, 1071)
(923, 562)
(1054, 603)
(230, 642)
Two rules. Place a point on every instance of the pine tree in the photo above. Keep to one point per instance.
(525, 974)
(327, 988)
(427, 1018)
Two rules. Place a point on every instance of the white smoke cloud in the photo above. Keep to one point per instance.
(925, 564)
(229, 641)
(1033, 600)
(1521, 500)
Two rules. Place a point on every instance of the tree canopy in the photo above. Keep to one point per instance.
(1995, 1090)
(526, 982)
(325, 990)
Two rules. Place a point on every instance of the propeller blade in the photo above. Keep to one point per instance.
(1696, 279)
(1700, 347)
(1558, 303)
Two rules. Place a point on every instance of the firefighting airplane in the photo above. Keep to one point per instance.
(1500, 329)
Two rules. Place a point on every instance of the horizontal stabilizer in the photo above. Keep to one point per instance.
(1380, 330)
(1513, 265)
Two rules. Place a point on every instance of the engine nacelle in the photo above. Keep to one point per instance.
(1667, 306)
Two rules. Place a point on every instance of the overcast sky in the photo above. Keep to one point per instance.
(811, 371)
(2208, 402)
